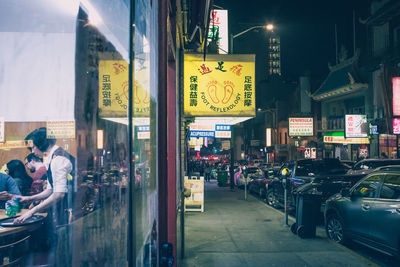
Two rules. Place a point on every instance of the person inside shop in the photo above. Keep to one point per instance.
(8, 188)
(59, 165)
(16, 169)
(384, 156)
(39, 172)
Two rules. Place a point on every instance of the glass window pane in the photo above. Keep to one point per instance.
(66, 140)
(145, 131)
(368, 187)
(391, 187)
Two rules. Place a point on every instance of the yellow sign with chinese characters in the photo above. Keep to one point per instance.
(114, 89)
(223, 85)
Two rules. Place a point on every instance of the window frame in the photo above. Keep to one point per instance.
(381, 186)
(377, 191)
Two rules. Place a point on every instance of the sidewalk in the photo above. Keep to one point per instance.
(234, 232)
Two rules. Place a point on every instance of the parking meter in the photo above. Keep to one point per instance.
(244, 170)
(285, 175)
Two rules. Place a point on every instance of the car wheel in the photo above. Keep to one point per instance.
(334, 229)
(270, 198)
(293, 228)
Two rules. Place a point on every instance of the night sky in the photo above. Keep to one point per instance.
(306, 29)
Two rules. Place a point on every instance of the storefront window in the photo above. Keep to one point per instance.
(144, 121)
(64, 133)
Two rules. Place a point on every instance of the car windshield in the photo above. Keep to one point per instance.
(366, 165)
(312, 168)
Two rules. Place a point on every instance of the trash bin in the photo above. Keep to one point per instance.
(222, 178)
(308, 206)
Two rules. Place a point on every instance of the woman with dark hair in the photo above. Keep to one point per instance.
(59, 165)
(16, 170)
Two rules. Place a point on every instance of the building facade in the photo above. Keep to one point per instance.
(102, 79)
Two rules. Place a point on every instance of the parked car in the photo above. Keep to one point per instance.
(252, 172)
(258, 186)
(257, 162)
(303, 172)
(273, 171)
(368, 213)
(366, 166)
(329, 186)
(349, 163)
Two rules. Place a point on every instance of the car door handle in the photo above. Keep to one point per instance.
(365, 207)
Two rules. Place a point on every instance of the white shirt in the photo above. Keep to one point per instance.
(60, 168)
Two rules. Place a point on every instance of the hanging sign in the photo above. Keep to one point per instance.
(222, 85)
(356, 126)
(219, 27)
(143, 132)
(301, 127)
(114, 89)
(222, 131)
(396, 126)
(396, 96)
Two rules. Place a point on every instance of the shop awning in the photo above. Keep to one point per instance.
(342, 79)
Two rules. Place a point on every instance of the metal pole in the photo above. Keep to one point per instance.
(245, 186)
(286, 213)
(231, 44)
(232, 168)
(354, 32)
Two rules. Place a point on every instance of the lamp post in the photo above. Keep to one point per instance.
(268, 27)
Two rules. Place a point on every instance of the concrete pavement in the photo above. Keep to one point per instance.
(234, 232)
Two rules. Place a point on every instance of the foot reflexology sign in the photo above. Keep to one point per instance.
(222, 85)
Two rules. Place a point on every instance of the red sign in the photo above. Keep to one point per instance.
(396, 96)
(396, 126)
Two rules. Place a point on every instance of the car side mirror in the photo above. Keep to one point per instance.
(345, 192)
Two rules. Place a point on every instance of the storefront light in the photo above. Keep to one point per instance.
(100, 139)
(93, 15)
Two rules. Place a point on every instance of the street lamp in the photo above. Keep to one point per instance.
(268, 27)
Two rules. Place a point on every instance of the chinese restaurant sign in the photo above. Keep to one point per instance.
(223, 85)
(396, 96)
(222, 131)
(219, 25)
(114, 90)
(210, 130)
(60, 129)
(143, 132)
(301, 127)
(356, 126)
(334, 139)
(396, 126)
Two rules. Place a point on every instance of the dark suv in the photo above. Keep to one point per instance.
(366, 166)
(302, 172)
(369, 212)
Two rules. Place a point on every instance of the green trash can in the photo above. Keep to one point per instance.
(222, 178)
